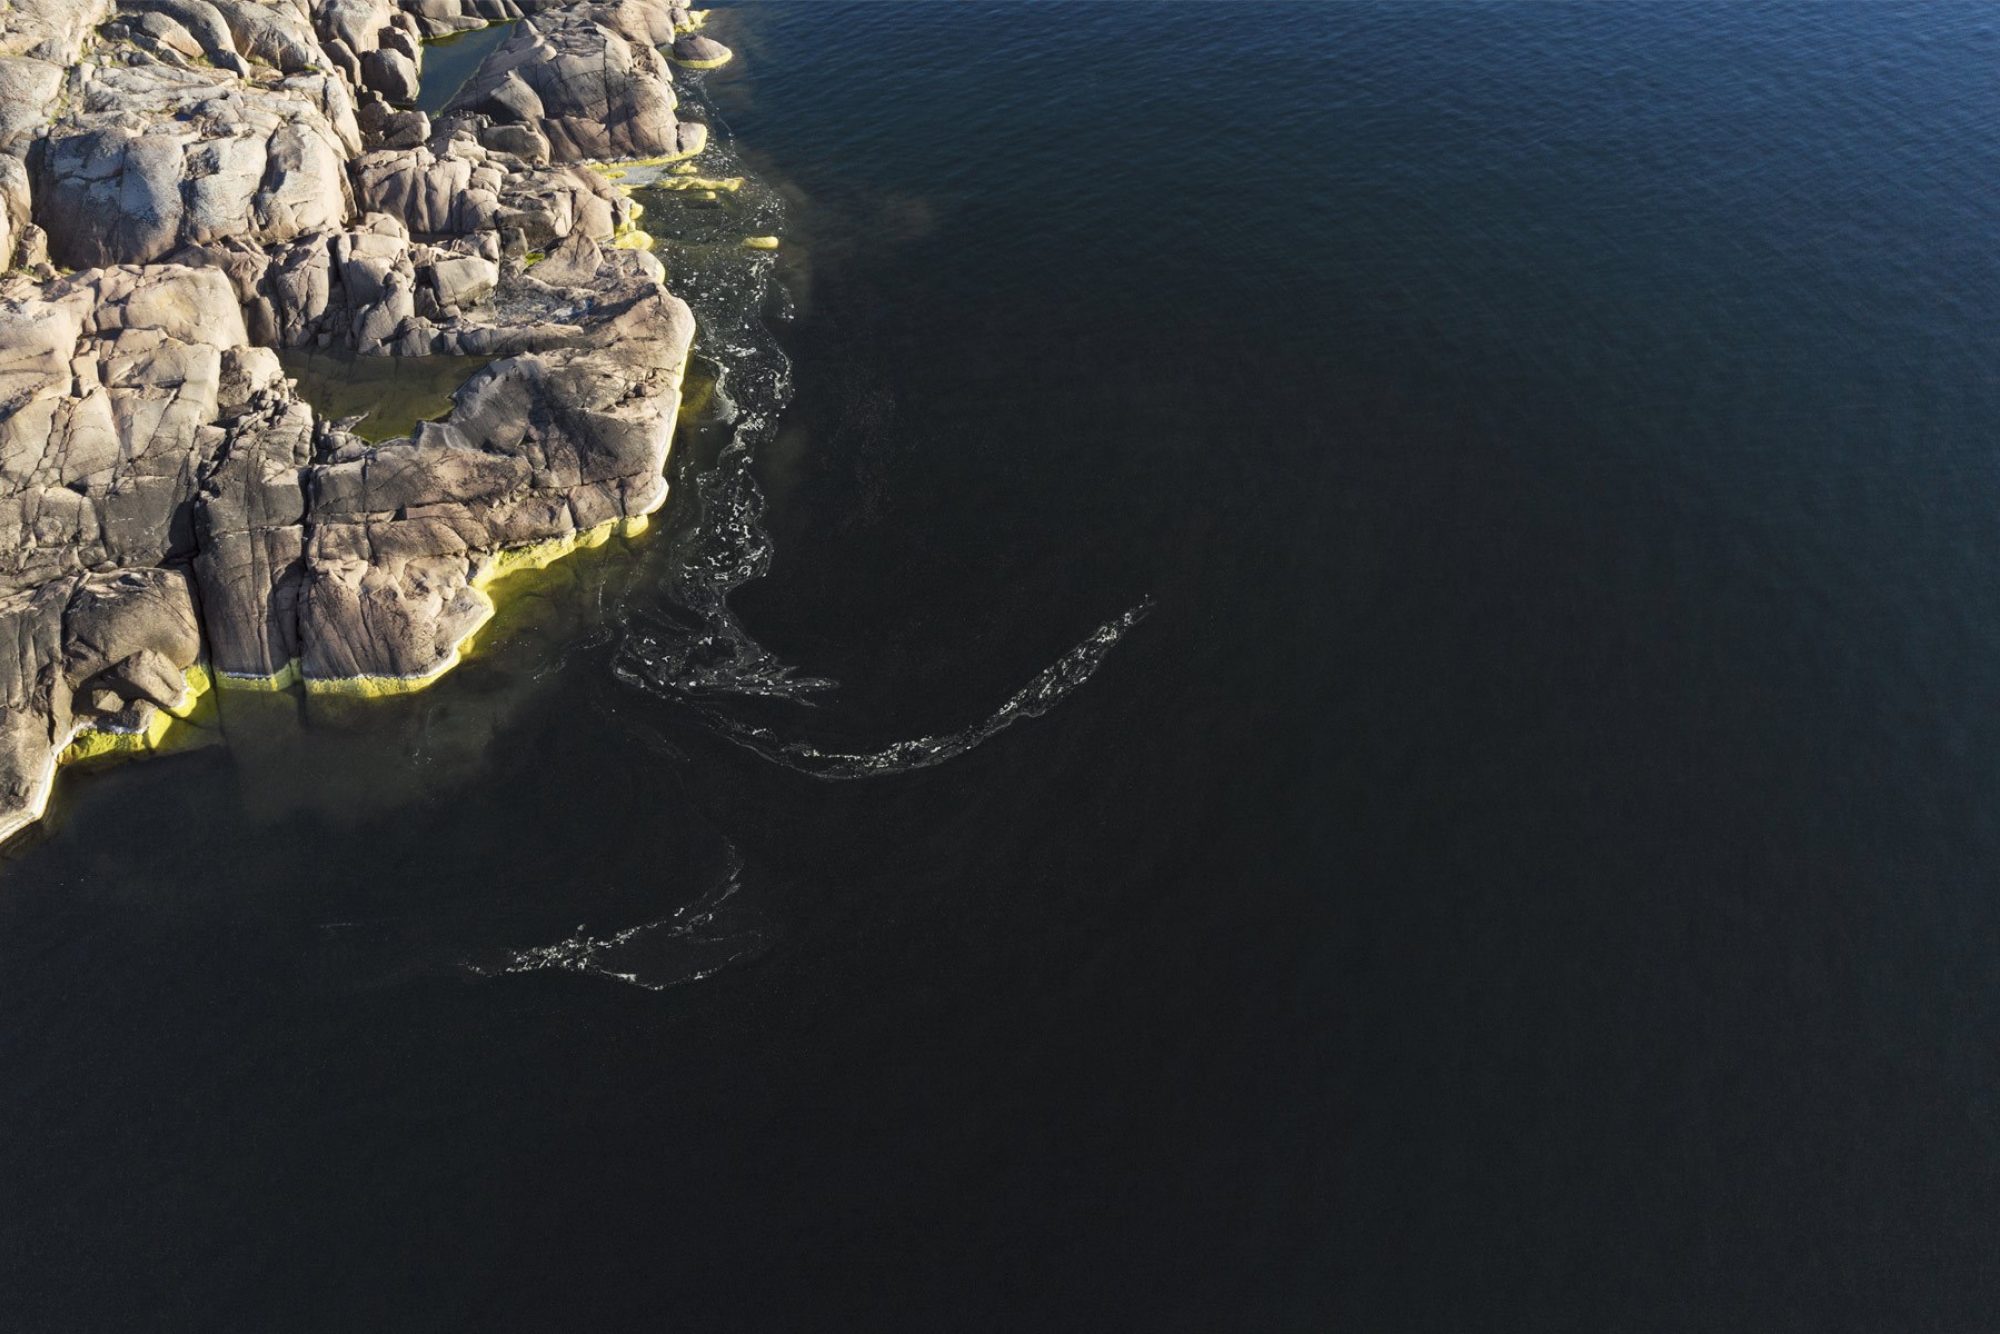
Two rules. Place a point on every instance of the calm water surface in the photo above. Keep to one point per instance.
(1314, 667)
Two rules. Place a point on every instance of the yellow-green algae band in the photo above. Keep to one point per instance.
(284, 678)
(697, 19)
(97, 743)
(689, 181)
(492, 571)
(630, 235)
(617, 169)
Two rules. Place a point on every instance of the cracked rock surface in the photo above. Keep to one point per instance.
(188, 187)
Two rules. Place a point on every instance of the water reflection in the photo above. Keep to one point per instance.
(349, 759)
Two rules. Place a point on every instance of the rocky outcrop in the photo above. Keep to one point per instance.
(112, 378)
(158, 157)
(106, 649)
(695, 51)
(583, 88)
(645, 21)
(222, 179)
(362, 563)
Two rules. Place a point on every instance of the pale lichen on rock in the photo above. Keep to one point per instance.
(188, 187)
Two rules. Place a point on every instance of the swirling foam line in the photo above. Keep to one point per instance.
(1049, 687)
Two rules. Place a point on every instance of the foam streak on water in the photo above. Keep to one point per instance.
(1050, 687)
(694, 942)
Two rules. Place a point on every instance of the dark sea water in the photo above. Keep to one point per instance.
(1316, 667)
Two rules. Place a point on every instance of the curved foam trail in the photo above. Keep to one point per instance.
(695, 647)
(1050, 687)
(695, 942)
(708, 651)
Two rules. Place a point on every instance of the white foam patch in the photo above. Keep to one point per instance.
(694, 942)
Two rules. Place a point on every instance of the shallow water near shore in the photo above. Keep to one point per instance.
(1310, 667)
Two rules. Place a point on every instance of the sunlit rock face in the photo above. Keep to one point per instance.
(157, 157)
(189, 186)
(584, 88)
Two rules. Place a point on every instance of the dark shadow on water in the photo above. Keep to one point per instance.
(347, 760)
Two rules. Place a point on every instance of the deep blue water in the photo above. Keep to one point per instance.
(1528, 864)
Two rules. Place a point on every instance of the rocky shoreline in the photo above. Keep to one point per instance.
(188, 187)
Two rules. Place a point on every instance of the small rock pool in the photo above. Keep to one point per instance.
(396, 393)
